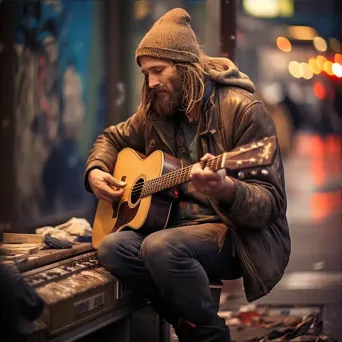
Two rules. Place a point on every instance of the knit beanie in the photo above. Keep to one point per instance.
(171, 37)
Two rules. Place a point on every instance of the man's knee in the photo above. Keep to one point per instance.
(159, 248)
(111, 252)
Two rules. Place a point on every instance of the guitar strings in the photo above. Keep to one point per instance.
(175, 174)
(172, 175)
(140, 187)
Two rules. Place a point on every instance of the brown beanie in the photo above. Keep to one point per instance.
(171, 37)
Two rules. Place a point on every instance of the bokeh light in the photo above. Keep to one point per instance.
(284, 44)
(294, 69)
(319, 90)
(328, 67)
(320, 44)
(314, 67)
(338, 58)
(305, 71)
(337, 69)
(320, 61)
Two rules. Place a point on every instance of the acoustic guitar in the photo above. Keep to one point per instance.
(152, 185)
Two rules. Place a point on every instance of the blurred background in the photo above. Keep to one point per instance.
(68, 70)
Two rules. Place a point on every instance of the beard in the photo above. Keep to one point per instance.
(165, 102)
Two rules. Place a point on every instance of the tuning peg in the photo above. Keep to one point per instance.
(254, 145)
(241, 175)
(260, 143)
(239, 163)
(253, 172)
(264, 172)
(252, 160)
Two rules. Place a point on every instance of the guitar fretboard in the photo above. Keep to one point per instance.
(177, 177)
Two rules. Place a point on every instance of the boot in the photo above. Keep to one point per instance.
(164, 310)
(188, 332)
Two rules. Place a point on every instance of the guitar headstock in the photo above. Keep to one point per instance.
(257, 154)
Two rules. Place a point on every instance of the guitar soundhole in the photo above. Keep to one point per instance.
(136, 191)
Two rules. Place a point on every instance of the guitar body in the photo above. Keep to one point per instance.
(147, 214)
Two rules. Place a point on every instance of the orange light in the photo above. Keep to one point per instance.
(284, 44)
(337, 69)
(328, 68)
(314, 67)
(320, 61)
(338, 58)
(141, 9)
(302, 32)
(319, 90)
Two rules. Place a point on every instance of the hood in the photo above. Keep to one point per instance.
(224, 71)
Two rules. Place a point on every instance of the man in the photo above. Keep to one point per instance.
(194, 106)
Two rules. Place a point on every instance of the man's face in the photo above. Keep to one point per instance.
(164, 84)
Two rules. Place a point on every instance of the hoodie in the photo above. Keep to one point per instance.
(224, 71)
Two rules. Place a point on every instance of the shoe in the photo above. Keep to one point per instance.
(188, 332)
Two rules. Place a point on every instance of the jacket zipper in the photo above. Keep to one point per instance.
(218, 142)
(163, 139)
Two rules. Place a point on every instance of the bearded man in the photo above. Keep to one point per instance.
(222, 226)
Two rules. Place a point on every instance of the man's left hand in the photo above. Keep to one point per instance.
(209, 182)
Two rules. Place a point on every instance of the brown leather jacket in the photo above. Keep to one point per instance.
(257, 217)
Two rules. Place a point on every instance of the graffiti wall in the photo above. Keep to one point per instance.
(59, 104)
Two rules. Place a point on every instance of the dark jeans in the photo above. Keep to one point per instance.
(172, 268)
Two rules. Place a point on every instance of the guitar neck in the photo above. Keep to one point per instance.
(178, 177)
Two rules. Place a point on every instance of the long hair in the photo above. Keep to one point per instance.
(193, 80)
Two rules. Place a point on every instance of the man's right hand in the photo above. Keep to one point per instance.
(103, 185)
